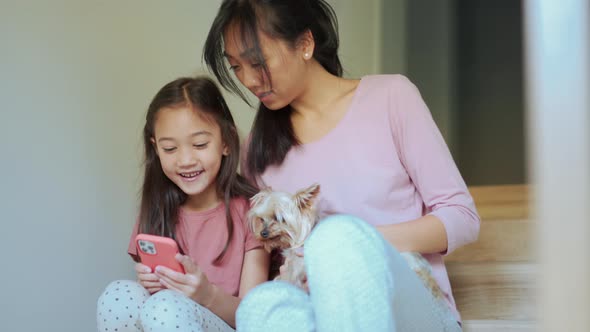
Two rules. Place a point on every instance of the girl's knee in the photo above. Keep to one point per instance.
(119, 305)
(169, 310)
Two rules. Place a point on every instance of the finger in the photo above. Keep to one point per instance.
(148, 277)
(162, 271)
(154, 289)
(169, 284)
(140, 268)
(147, 285)
(299, 251)
(173, 282)
(187, 263)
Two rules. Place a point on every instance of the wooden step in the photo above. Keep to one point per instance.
(499, 326)
(500, 240)
(494, 291)
(502, 201)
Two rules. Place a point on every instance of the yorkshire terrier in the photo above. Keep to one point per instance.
(283, 221)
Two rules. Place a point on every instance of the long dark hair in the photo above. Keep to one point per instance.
(272, 132)
(160, 197)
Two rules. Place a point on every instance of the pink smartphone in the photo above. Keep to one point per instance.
(156, 250)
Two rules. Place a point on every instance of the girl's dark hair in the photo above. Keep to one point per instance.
(160, 197)
(272, 132)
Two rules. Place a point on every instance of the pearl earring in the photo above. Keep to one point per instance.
(306, 55)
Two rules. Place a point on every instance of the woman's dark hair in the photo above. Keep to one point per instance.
(272, 132)
(160, 197)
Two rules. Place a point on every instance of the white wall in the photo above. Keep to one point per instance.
(76, 78)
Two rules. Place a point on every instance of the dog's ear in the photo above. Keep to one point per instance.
(256, 199)
(305, 197)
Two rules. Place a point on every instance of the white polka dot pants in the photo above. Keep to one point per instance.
(125, 306)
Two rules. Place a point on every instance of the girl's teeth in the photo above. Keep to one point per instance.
(189, 175)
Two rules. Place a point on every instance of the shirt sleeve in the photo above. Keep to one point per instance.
(430, 165)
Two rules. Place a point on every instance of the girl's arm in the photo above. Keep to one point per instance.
(254, 272)
(196, 286)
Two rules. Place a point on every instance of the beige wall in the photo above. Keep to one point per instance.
(76, 78)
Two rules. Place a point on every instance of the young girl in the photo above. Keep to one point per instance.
(389, 183)
(193, 194)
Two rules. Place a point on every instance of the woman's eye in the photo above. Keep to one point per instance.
(201, 146)
(168, 149)
(234, 67)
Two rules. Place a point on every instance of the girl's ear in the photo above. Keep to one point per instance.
(154, 145)
(306, 45)
(225, 151)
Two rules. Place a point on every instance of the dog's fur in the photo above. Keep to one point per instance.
(283, 221)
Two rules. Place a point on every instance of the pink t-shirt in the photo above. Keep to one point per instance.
(202, 236)
(385, 162)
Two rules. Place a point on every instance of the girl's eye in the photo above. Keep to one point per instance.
(168, 149)
(234, 67)
(201, 146)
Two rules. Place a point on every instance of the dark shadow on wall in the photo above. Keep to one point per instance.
(465, 56)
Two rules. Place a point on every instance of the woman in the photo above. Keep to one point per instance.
(389, 183)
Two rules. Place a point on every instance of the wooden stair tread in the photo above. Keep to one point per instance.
(494, 291)
(499, 326)
(500, 240)
(502, 201)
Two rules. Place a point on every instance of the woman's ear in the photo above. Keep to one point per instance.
(306, 44)
(225, 150)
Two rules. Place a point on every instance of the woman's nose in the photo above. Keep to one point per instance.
(250, 78)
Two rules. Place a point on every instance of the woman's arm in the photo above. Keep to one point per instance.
(425, 235)
(451, 219)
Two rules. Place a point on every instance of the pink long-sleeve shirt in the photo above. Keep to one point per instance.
(385, 162)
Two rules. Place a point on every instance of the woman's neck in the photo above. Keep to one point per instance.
(321, 90)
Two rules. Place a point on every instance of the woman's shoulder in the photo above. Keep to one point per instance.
(385, 81)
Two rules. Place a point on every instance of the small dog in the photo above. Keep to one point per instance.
(283, 221)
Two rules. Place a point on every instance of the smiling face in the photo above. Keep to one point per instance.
(285, 77)
(190, 150)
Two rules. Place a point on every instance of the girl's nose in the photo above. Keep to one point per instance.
(186, 158)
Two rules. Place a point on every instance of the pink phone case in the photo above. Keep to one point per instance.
(158, 250)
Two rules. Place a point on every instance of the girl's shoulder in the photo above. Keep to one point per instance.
(240, 206)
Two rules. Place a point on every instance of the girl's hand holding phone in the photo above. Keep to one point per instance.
(147, 278)
(193, 283)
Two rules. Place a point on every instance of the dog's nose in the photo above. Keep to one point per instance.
(264, 233)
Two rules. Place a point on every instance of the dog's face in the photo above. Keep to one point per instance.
(281, 220)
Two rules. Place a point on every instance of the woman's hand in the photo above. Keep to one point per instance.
(147, 279)
(193, 283)
(283, 270)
